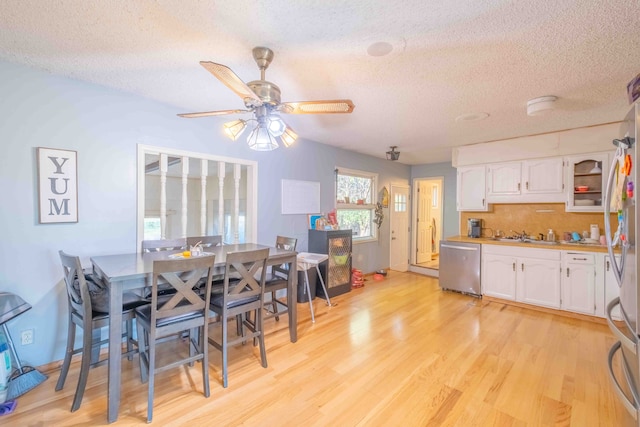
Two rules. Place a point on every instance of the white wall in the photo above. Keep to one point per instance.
(104, 126)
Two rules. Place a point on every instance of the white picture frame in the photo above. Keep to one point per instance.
(57, 185)
(300, 197)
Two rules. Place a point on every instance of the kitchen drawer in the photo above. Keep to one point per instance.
(517, 251)
(579, 258)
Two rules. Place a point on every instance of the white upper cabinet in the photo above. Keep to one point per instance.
(544, 176)
(471, 188)
(504, 179)
(586, 179)
(528, 181)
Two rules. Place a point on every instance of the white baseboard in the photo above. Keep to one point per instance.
(424, 271)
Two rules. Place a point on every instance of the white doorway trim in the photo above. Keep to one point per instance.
(414, 214)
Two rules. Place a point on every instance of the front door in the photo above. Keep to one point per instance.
(399, 224)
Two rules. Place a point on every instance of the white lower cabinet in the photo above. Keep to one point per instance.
(539, 280)
(579, 282)
(498, 275)
(527, 275)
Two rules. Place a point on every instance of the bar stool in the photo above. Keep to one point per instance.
(306, 260)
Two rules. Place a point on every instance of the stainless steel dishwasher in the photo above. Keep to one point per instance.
(460, 267)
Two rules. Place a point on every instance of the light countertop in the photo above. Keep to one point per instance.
(560, 246)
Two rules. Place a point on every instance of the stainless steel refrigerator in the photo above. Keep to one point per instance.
(620, 199)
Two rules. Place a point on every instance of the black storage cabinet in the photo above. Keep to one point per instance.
(302, 288)
(336, 271)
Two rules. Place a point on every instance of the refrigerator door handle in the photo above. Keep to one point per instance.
(630, 344)
(631, 406)
(618, 268)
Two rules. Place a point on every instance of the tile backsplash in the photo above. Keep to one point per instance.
(534, 218)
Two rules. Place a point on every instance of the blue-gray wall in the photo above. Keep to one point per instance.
(451, 217)
(104, 126)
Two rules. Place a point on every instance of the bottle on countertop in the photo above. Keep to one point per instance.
(551, 236)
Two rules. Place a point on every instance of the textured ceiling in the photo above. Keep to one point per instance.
(449, 58)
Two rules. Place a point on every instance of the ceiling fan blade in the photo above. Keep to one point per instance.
(231, 80)
(212, 113)
(336, 106)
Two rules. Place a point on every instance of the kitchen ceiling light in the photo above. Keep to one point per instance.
(540, 105)
(473, 117)
(379, 49)
(393, 154)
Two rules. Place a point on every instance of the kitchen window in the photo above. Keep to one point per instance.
(355, 203)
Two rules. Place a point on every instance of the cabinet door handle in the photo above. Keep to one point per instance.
(607, 265)
(518, 186)
(580, 259)
(482, 202)
(567, 271)
(514, 266)
(527, 185)
(522, 266)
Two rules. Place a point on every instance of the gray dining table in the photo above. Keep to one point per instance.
(134, 271)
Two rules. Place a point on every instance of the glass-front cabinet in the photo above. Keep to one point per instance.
(587, 178)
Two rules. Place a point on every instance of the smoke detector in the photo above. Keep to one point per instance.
(541, 105)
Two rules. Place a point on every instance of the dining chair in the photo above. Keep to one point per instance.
(205, 241)
(186, 310)
(164, 245)
(239, 298)
(278, 279)
(158, 246)
(88, 308)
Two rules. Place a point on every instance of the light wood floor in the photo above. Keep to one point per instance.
(434, 263)
(399, 352)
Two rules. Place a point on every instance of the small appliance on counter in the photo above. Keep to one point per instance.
(474, 227)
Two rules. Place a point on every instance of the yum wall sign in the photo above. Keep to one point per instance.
(57, 185)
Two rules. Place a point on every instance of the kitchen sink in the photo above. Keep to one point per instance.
(540, 242)
(535, 242)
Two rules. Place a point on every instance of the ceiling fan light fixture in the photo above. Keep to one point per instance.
(276, 125)
(262, 98)
(288, 137)
(260, 139)
(234, 128)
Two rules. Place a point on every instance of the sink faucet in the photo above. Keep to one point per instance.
(520, 236)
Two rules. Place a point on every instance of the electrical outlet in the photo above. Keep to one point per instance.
(27, 337)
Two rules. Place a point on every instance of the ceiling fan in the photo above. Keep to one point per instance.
(262, 98)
